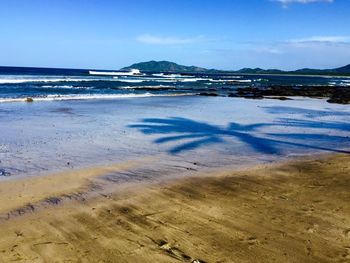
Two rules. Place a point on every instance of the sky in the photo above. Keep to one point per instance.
(221, 34)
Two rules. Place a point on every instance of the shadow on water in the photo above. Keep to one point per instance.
(190, 134)
(309, 113)
(309, 116)
(314, 124)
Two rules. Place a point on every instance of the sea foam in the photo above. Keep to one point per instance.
(90, 97)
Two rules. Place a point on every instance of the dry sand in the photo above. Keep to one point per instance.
(292, 212)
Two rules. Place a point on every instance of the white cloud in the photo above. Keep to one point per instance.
(315, 51)
(323, 39)
(285, 3)
(319, 41)
(271, 50)
(160, 40)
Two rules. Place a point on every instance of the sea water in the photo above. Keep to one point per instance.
(17, 84)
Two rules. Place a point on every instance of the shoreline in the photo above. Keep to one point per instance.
(331, 94)
(75, 97)
(292, 211)
(211, 131)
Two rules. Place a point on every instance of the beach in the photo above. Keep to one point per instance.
(297, 211)
(169, 179)
(175, 131)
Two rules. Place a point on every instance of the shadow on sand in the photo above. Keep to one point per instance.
(190, 134)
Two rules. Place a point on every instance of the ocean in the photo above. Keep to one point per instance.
(45, 84)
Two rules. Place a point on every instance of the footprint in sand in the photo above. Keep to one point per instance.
(312, 229)
(346, 233)
(345, 255)
(175, 252)
(250, 241)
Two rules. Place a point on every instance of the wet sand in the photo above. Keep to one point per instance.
(27, 192)
(297, 211)
(213, 131)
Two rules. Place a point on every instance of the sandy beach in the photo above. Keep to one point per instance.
(296, 211)
(175, 131)
(175, 179)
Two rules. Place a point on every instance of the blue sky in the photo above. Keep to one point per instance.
(223, 34)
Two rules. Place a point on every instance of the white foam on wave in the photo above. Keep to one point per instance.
(231, 80)
(90, 97)
(171, 80)
(147, 87)
(132, 72)
(28, 80)
(171, 75)
(343, 82)
(64, 87)
(219, 80)
(193, 79)
(231, 77)
(189, 80)
(242, 80)
(130, 80)
(168, 80)
(158, 75)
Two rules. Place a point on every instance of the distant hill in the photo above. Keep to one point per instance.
(171, 67)
(164, 66)
(305, 71)
(345, 69)
(167, 66)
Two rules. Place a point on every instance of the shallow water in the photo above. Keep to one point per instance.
(208, 132)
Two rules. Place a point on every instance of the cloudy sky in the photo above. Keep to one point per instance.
(223, 34)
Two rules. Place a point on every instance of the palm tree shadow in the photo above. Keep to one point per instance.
(308, 113)
(200, 134)
(314, 124)
(191, 134)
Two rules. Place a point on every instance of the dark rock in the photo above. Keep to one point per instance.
(233, 95)
(4, 173)
(29, 99)
(280, 98)
(253, 96)
(341, 96)
(333, 93)
(210, 94)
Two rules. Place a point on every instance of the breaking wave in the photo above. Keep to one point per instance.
(89, 97)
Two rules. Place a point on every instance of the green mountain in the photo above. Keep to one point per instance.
(305, 71)
(345, 69)
(164, 66)
(167, 66)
